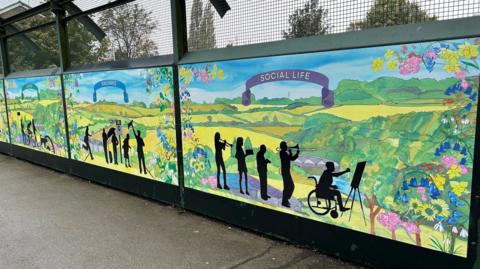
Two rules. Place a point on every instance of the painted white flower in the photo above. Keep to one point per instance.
(439, 227)
(465, 120)
(454, 230)
(444, 120)
(456, 131)
(464, 233)
(452, 119)
(447, 242)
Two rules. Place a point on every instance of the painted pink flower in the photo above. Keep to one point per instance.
(431, 54)
(203, 77)
(404, 49)
(463, 169)
(460, 75)
(390, 220)
(464, 84)
(421, 191)
(448, 160)
(410, 65)
(411, 227)
(213, 181)
(204, 181)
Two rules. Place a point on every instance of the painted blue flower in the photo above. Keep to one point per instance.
(464, 151)
(456, 147)
(463, 161)
(468, 107)
(452, 220)
(424, 182)
(405, 198)
(468, 91)
(446, 145)
(413, 182)
(456, 214)
(473, 97)
(404, 185)
(397, 196)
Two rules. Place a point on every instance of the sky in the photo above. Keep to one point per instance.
(352, 64)
(134, 80)
(14, 86)
(254, 21)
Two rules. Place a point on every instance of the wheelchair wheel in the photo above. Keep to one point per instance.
(318, 206)
(334, 214)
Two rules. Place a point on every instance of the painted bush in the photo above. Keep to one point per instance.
(36, 113)
(408, 111)
(112, 113)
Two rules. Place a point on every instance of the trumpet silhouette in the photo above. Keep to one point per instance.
(297, 147)
(226, 143)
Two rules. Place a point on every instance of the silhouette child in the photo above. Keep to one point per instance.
(219, 147)
(242, 165)
(115, 149)
(262, 163)
(86, 140)
(126, 147)
(325, 187)
(286, 157)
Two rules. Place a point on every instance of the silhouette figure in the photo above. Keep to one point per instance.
(105, 144)
(286, 157)
(86, 140)
(325, 187)
(219, 147)
(140, 145)
(115, 149)
(29, 131)
(34, 132)
(242, 165)
(126, 149)
(24, 135)
(262, 171)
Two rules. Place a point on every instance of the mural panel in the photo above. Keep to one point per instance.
(36, 113)
(378, 140)
(4, 136)
(124, 120)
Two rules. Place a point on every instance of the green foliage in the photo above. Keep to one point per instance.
(307, 21)
(391, 12)
(202, 31)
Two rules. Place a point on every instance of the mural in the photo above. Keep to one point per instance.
(378, 140)
(4, 136)
(35, 110)
(124, 120)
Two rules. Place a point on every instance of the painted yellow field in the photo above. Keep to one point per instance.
(364, 112)
(277, 131)
(272, 116)
(48, 102)
(228, 133)
(242, 108)
(203, 118)
(304, 110)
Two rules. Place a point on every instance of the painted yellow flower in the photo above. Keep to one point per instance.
(452, 68)
(428, 212)
(439, 181)
(166, 89)
(388, 201)
(450, 56)
(415, 205)
(213, 75)
(186, 74)
(454, 171)
(220, 74)
(441, 207)
(468, 50)
(392, 65)
(459, 187)
(377, 64)
(389, 54)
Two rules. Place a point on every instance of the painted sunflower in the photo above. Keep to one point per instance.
(415, 205)
(441, 207)
(428, 212)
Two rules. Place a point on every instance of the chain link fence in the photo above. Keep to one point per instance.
(251, 22)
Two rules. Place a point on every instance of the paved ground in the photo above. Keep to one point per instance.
(52, 220)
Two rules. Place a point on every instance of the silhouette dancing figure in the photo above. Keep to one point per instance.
(115, 149)
(262, 163)
(126, 148)
(105, 144)
(141, 155)
(326, 189)
(242, 165)
(219, 147)
(286, 157)
(86, 140)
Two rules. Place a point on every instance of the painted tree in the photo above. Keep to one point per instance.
(307, 21)
(391, 12)
(129, 29)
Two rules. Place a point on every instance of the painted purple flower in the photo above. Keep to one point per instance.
(448, 160)
(390, 220)
(410, 227)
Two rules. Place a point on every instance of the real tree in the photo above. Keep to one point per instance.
(202, 30)
(307, 21)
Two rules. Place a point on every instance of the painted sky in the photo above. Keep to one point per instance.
(134, 80)
(336, 65)
(14, 86)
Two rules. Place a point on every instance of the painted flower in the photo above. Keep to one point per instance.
(463, 233)
(468, 50)
(388, 201)
(411, 227)
(439, 181)
(392, 65)
(452, 68)
(441, 207)
(204, 77)
(390, 220)
(448, 160)
(454, 171)
(439, 227)
(410, 65)
(389, 54)
(431, 54)
(460, 75)
(428, 212)
(220, 74)
(463, 169)
(450, 56)
(459, 187)
(415, 205)
(377, 64)
(454, 230)
(464, 84)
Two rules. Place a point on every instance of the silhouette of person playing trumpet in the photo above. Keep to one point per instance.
(286, 156)
(325, 187)
(219, 147)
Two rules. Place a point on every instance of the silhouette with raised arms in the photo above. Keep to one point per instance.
(219, 148)
(286, 156)
(126, 150)
(325, 187)
(140, 145)
(242, 164)
(262, 163)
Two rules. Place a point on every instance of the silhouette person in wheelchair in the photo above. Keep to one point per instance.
(326, 190)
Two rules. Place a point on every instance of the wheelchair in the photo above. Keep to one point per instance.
(321, 204)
